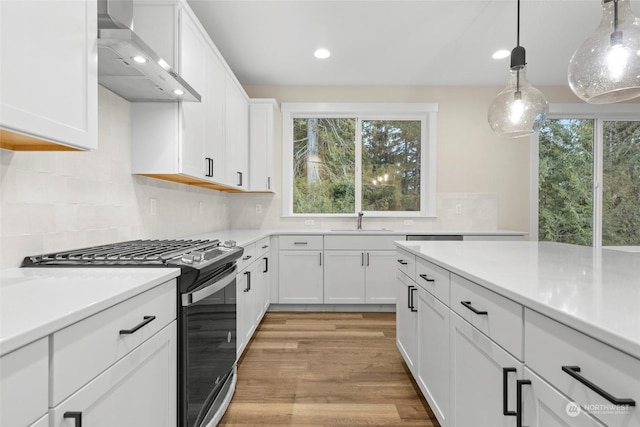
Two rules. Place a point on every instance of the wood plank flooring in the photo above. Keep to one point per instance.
(326, 369)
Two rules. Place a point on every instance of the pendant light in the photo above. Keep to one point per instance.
(606, 68)
(520, 109)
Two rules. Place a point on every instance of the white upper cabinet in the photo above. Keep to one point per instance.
(205, 143)
(261, 144)
(48, 75)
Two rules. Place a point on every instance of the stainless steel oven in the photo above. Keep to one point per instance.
(206, 313)
(207, 349)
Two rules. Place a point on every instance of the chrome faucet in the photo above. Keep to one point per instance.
(360, 215)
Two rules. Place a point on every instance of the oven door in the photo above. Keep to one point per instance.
(207, 347)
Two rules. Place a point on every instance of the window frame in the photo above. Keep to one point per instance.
(425, 112)
(599, 114)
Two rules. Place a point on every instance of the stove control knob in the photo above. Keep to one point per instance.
(187, 259)
(229, 244)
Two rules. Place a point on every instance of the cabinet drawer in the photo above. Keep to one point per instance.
(406, 263)
(262, 246)
(550, 345)
(24, 375)
(301, 242)
(360, 242)
(85, 349)
(248, 256)
(499, 318)
(433, 279)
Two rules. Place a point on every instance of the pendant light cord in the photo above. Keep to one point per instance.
(517, 94)
(518, 26)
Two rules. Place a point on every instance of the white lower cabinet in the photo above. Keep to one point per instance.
(433, 353)
(344, 276)
(479, 394)
(137, 391)
(544, 406)
(407, 320)
(300, 269)
(380, 277)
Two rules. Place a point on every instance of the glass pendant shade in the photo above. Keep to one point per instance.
(606, 68)
(520, 109)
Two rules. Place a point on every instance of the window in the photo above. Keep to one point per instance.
(588, 176)
(339, 159)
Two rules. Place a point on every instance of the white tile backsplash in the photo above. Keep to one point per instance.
(52, 201)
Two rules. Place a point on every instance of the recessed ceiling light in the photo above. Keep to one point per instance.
(322, 53)
(178, 92)
(139, 59)
(501, 54)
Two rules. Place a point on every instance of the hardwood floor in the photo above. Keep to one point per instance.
(326, 369)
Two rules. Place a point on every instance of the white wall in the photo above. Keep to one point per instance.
(53, 201)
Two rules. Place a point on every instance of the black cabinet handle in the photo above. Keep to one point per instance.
(247, 257)
(413, 308)
(472, 308)
(146, 321)
(209, 167)
(367, 259)
(519, 384)
(268, 183)
(266, 265)
(265, 246)
(403, 262)
(239, 179)
(248, 274)
(320, 258)
(77, 417)
(505, 392)
(424, 276)
(573, 372)
(300, 243)
(362, 259)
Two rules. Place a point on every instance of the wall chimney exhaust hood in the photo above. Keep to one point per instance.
(128, 66)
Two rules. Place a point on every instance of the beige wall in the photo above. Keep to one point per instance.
(473, 164)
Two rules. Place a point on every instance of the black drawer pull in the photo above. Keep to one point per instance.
(424, 276)
(248, 274)
(247, 257)
(573, 372)
(413, 307)
(300, 243)
(146, 321)
(472, 308)
(77, 416)
(505, 392)
(403, 262)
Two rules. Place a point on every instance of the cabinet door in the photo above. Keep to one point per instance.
(244, 308)
(477, 391)
(261, 144)
(300, 277)
(544, 406)
(265, 288)
(193, 54)
(433, 354)
(139, 390)
(236, 135)
(215, 121)
(380, 277)
(344, 277)
(48, 71)
(407, 320)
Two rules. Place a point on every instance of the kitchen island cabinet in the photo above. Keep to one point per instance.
(522, 315)
(49, 75)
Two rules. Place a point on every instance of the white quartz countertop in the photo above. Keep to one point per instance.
(35, 302)
(595, 291)
(246, 236)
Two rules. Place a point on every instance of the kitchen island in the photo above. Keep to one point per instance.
(548, 331)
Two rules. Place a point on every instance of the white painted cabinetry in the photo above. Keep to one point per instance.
(252, 290)
(261, 144)
(407, 320)
(198, 143)
(359, 269)
(300, 266)
(24, 384)
(48, 75)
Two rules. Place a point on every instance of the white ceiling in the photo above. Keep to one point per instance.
(395, 42)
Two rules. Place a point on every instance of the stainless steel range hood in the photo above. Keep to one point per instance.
(120, 49)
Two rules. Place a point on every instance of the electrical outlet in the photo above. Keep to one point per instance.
(408, 222)
(258, 208)
(309, 222)
(153, 206)
(459, 209)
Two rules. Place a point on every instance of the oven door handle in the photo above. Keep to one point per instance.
(208, 289)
